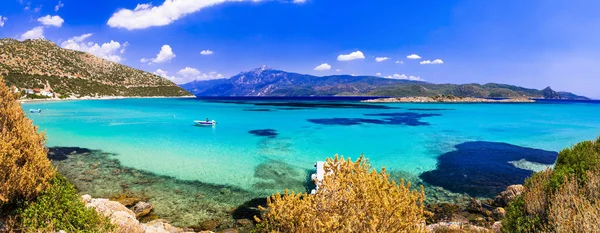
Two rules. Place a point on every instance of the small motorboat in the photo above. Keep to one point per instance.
(205, 123)
(35, 110)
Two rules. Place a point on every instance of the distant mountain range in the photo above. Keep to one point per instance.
(42, 64)
(270, 82)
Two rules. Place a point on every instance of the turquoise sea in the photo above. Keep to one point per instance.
(475, 149)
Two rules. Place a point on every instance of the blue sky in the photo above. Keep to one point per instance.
(532, 43)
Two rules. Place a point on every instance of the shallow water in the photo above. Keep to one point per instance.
(264, 146)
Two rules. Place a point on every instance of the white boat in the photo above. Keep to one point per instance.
(206, 123)
(35, 110)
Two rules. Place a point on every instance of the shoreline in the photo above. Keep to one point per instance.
(103, 98)
(447, 99)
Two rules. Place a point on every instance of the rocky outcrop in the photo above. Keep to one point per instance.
(447, 99)
(142, 209)
(508, 195)
(125, 220)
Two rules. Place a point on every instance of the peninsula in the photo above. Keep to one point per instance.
(447, 99)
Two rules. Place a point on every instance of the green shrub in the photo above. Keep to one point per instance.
(60, 208)
(518, 221)
(577, 161)
(563, 199)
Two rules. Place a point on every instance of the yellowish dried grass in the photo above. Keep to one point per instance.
(24, 168)
(352, 198)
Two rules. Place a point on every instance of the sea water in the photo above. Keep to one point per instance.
(159, 135)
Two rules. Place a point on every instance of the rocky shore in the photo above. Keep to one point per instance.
(447, 99)
(127, 219)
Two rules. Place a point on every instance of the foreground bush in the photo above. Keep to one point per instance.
(351, 198)
(566, 199)
(33, 197)
(24, 167)
(60, 208)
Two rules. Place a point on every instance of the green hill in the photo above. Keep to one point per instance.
(68, 73)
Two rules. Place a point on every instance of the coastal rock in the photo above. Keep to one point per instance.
(498, 213)
(142, 209)
(508, 195)
(125, 219)
(475, 206)
(497, 227)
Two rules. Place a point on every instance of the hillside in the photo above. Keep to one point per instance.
(269, 82)
(68, 73)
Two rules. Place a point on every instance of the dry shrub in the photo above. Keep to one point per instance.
(576, 208)
(351, 198)
(537, 192)
(24, 168)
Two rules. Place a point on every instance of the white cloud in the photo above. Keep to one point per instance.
(434, 62)
(2, 20)
(164, 74)
(399, 62)
(48, 20)
(35, 33)
(299, 1)
(109, 51)
(189, 74)
(397, 76)
(207, 52)
(58, 6)
(338, 70)
(380, 59)
(165, 54)
(404, 77)
(147, 15)
(378, 74)
(323, 67)
(351, 56)
(413, 56)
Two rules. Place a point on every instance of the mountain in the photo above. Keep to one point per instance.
(68, 73)
(270, 82)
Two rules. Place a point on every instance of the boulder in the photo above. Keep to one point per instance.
(498, 213)
(142, 209)
(475, 206)
(125, 219)
(508, 195)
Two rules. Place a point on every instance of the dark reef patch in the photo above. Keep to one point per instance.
(270, 133)
(402, 118)
(62, 153)
(322, 105)
(430, 109)
(257, 110)
(481, 169)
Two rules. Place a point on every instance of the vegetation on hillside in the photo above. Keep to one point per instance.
(351, 198)
(37, 63)
(563, 199)
(269, 82)
(33, 198)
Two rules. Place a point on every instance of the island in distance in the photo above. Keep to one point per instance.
(265, 81)
(46, 70)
